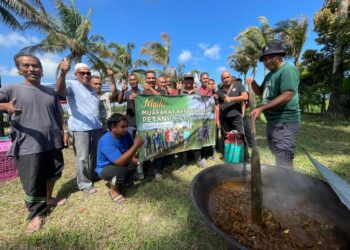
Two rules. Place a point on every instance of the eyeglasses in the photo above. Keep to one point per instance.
(84, 73)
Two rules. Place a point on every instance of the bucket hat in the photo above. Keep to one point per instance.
(273, 47)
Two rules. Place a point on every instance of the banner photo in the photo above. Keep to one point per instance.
(172, 124)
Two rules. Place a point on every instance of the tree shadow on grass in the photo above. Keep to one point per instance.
(68, 188)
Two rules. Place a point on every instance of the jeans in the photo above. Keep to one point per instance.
(85, 148)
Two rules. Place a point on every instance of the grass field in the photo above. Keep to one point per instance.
(156, 215)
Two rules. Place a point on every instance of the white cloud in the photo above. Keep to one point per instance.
(15, 39)
(185, 56)
(221, 69)
(203, 45)
(212, 52)
(50, 63)
(5, 71)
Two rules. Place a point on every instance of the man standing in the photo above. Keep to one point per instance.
(150, 84)
(150, 89)
(280, 103)
(188, 89)
(161, 84)
(230, 98)
(129, 96)
(206, 90)
(170, 87)
(36, 133)
(83, 121)
(105, 109)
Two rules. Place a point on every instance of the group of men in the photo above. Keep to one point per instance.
(105, 144)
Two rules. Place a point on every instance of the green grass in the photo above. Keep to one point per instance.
(156, 215)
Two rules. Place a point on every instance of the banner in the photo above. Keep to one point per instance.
(172, 124)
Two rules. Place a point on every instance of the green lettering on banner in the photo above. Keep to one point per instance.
(173, 124)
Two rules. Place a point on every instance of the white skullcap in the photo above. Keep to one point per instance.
(80, 65)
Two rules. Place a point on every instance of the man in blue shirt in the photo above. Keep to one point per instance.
(83, 121)
(115, 152)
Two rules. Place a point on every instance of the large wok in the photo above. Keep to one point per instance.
(290, 184)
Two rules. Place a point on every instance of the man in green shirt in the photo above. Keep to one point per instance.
(280, 103)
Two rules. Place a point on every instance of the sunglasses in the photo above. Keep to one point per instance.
(84, 73)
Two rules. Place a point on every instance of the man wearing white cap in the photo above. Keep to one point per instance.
(83, 121)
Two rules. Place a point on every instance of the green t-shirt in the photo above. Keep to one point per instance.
(286, 78)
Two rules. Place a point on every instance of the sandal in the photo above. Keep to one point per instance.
(90, 190)
(119, 198)
(35, 224)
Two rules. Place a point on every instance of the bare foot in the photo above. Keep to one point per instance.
(53, 202)
(35, 224)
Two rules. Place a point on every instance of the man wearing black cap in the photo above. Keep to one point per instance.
(280, 103)
(188, 89)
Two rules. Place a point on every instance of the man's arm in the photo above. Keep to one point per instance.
(217, 116)
(148, 87)
(127, 156)
(10, 107)
(242, 97)
(61, 79)
(283, 98)
(121, 97)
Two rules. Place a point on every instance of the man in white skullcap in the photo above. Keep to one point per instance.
(83, 121)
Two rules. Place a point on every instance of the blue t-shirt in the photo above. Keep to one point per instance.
(83, 107)
(111, 149)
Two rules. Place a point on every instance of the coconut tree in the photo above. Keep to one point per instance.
(70, 31)
(32, 10)
(177, 73)
(158, 53)
(240, 61)
(293, 34)
(119, 58)
(254, 38)
(257, 36)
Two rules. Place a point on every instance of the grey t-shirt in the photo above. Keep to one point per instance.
(38, 127)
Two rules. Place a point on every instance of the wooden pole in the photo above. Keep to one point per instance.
(256, 183)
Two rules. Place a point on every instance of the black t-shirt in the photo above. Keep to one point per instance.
(230, 109)
(130, 112)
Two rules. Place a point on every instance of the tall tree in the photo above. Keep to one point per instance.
(315, 79)
(332, 25)
(119, 58)
(158, 53)
(177, 73)
(253, 39)
(32, 10)
(293, 34)
(70, 31)
(240, 61)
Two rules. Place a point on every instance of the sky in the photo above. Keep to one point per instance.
(202, 32)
